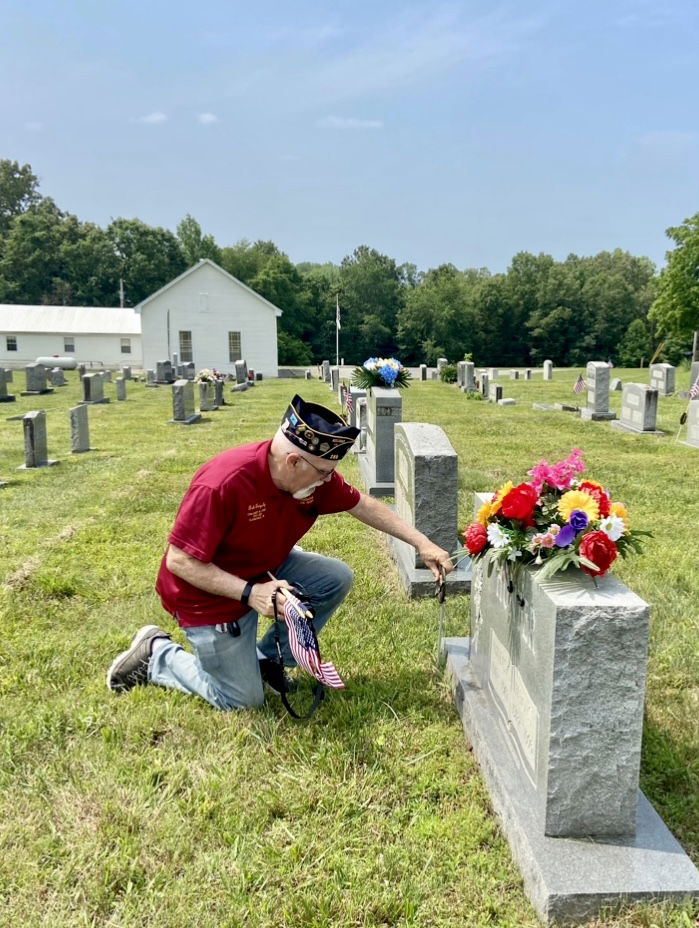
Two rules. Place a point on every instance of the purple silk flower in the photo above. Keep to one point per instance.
(577, 522)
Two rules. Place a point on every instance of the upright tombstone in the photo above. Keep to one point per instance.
(360, 423)
(493, 373)
(218, 394)
(693, 374)
(597, 375)
(183, 412)
(639, 409)
(150, 378)
(423, 372)
(426, 493)
(384, 409)
(334, 379)
(548, 370)
(461, 374)
(176, 364)
(326, 371)
(528, 374)
(550, 689)
(662, 379)
(693, 425)
(82, 370)
(470, 385)
(307, 374)
(120, 389)
(5, 397)
(79, 429)
(93, 389)
(514, 375)
(35, 441)
(206, 397)
(163, 372)
(9, 375)
(615, 385)
(107, 376)
(494, 392)
(355, 394)
(57, 377)
(126, 372)
(188, 371)
(241, 371)
(36, 380)
(485, 385)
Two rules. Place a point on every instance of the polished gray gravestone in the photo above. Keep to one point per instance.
(441, 363)
(163, 372)
(218, 394)
(384, 409)
(183, 412)
(639, 409)
(662, 379)
(9, 375)
(423, 372)
(693, 425)
(35, 441)
(550, 688)
(36, 380)
(334, 379)
(150, 378)
(426, 497)
(326, 371)
(93, 389)
(241, 371)
(5, 397)
(360, 423)
(120, 389)
(57, 377)
(461, 374)
(207, 401)
(126, 372)
(548, 370)
(494, 392)
(597, 376)
(79, 429)
(470, 383)
(485, 385)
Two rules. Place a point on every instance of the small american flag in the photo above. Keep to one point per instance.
(694, 390)
(349, 402)
(579, 384)
(304, 644)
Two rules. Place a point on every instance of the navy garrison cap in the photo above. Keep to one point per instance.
(317, 430)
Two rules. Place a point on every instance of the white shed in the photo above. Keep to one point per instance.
(98, 336)
(209, 317)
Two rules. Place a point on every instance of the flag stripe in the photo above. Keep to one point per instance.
(694, 391)
(304, 646)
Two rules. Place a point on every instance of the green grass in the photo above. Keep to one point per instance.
(153, 809)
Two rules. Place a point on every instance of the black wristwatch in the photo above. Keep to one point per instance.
(247, 590)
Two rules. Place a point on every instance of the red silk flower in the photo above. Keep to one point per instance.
(600, 549)
(598, 494)
(520, 503)
(475, 538)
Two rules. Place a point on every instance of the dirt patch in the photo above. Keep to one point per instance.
(19, 579)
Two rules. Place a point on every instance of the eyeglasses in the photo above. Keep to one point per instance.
(325, 474)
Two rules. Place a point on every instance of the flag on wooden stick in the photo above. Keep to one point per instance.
(579, 384)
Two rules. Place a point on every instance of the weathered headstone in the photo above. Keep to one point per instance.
(426, 494)
(218, 394)
(206, 397)
(57, 377)
(461, 374)
(175, 362)
(307, 374)
(360, 423)
(384, 410)
(693, 425)
(93, 389)
(241, 371)
(326, 371)
(494, 392)
(616, 385)
(528, 374)
(126, 372)
(662, 379)
(352, 415)
(9, 375)
(693, 373)
(35, 441)
(597, 375)
(188, 371)
(79, 429)
(548, 370)
(507, 401)
(423, 372)
(334, 379)
(107, 376)
(36, 380)
(120, 389)
(441, 363)
(639, 409)
(485, 384)
(470, 383)
(5, 397)
(514, 375)
(150, 378)
(163, 372)
(493, 373)
(550, 689)
(183, 412)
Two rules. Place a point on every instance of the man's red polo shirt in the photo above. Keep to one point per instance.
(234, 516)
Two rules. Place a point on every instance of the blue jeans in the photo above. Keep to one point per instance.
(224, 670)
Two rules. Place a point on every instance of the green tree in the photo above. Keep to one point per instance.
(635, 345)
(18, 191)
(436, 319)
(149, 257)
(371, 295)
(196, 246)
(675, 312)
(31, 264)
(245, 259)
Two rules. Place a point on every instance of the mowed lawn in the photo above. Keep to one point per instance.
(152, 809)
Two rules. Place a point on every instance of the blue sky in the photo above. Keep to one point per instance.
(455, 132)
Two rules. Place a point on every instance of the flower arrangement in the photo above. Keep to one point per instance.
(380, 372)
(208, 375)
(555, 520)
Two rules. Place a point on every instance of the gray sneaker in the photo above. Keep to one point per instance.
(130, 668)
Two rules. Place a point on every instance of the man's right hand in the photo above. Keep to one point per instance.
(260, 598)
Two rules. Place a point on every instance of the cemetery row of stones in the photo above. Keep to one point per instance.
(550, 688)
(210, 398)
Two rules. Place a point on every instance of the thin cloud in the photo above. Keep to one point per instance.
(207, 118)
(348, 122)
(33, 126)
(152, 118)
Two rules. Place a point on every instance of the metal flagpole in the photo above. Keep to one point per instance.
(337, 333)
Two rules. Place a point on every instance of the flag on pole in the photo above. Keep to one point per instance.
(349, 403)
(694, 390)
(304, 644)
(579, 384)
(337, 312)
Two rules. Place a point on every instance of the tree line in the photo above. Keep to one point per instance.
(610, 305)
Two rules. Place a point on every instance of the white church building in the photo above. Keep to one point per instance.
(205, 315)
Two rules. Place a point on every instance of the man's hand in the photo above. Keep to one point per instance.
(261, 597)
(435, 559)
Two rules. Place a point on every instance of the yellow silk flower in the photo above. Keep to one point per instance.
(483, 514)
(620, 510)
(499, 496)
(578, 499)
